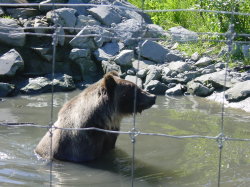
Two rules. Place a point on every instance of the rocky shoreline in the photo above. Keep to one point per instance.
(102, 39)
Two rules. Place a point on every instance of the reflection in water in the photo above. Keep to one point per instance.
(159, 161)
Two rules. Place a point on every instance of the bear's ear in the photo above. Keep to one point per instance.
(109, 82)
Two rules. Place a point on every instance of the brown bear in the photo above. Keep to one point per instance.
(101, 105)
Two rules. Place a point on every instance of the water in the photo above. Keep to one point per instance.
(160, 161)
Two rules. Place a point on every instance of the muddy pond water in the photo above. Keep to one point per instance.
(159, 161)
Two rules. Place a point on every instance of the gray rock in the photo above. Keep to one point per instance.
(179, 66)
(65, 17)
(178, 90)
(166, 71)
(142, 73)
(153, 51)
(131, 71)
(216, 79)
(106, 15)
(238, 92)
(23, 13)
(45, 53)
(156, 87)
(6, 89)
(124, 58)
(92, 42)
(40, 22)
(195, 56)
(1, 11)
(134, 79)
(10, 33)
(246, 51)
(87, 67)
(204, 61)
(129, 31)
(143, 64)
(220, 65)
(83, 21)
(110, 66)
(62, 82)
(168, 80)
(79, 53)
(172, 56)
(108, 51)
(154, 73)
(190, 75)
(10, 63)
(198, 89)
(181, 34)
(155, 31)
(80, 9)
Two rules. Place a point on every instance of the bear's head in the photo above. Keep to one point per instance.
(127, 95)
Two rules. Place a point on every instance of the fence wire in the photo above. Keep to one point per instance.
(134, 132)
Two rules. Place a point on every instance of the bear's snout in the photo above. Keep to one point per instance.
(146, 100)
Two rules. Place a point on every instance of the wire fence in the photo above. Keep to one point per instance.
(134, 132)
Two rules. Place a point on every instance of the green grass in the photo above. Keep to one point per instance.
(201, 22)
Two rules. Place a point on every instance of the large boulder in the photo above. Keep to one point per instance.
(11, 33)
(179, 66)
(6, 89)
(141, 64)
(238, 92)
(134, 79)
(156, 87)
(177, 90)
(153, 51)
(181, 34)
(199, 89)
(105, 15)
(10, 63)
(65, 17)
(153, 73)
(124, 58)
(62, 82)
(108, 51)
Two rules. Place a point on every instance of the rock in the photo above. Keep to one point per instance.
(110, 66)
(135, 80)
(6, 89)
(10, 33)
(91, 42)
(60, 37)
(181, 34)
(190, 75)
(168, 80)
(108, 51)
(1, 11)
(166, 71)
(142, 73)
(83, 21)
(178, 90)
(143, 64)
(220, 65)
(87, 67)
(79, 53)
(129, 31)
(153, 51)
(195, 56)
(105, 15)
(45, 53)
(204, 61)
(10, 63)
(179, 66)
(216, 79)
(246, 51)
(156, 87)
(124, 58)
(198, 89)
(62, 82)
(238, 92)
(23, 13)
(172, 56)
(155, 31)
(80, 10)
(154, 73)
(65, 17)
(40, 22)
